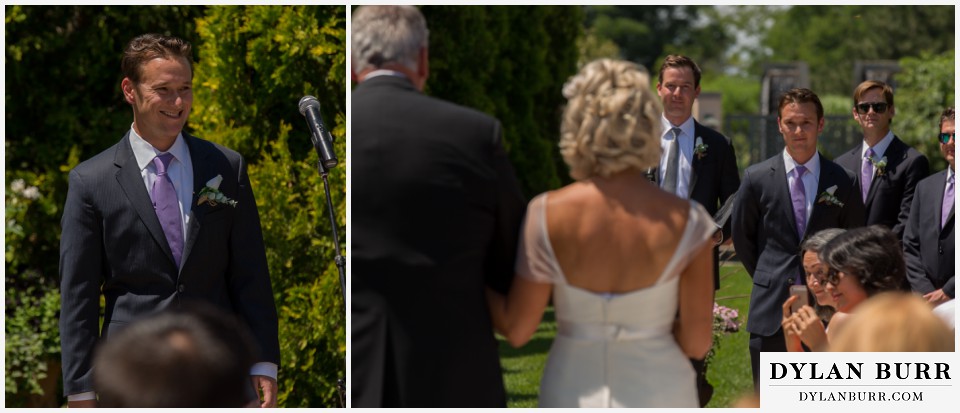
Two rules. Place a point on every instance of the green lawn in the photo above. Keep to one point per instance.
(729, 371)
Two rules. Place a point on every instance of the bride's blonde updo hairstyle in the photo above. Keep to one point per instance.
(611, 122)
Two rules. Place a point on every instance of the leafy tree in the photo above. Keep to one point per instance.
(647, 33)
(926, 88)
(518, 81)
(255, 64)
(831, 38)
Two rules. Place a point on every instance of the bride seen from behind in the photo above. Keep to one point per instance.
(628, 265)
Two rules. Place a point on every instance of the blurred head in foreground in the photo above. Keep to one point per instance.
(897, 322)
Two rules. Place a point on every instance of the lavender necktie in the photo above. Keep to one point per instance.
(798, 195)
(947, 202)
(673, 163)
(166, 204)
(866, 174)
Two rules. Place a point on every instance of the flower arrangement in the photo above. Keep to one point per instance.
(726, 320)
(880, 166)
(699, 148)
(211, 195)
(827, 197)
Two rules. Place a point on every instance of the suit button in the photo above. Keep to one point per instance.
(181, 287)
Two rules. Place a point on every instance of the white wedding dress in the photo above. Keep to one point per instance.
(613, 350)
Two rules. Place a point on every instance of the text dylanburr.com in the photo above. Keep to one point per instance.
(876, 381)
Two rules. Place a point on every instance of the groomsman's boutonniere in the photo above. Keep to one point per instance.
(880, 165)
(828, 198)
(211, 195)
(699, 148)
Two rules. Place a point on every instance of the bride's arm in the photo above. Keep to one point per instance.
(517, 315)
(694, 325)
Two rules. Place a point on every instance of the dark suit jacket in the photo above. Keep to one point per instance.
(891, 194)
(112, 242)
(436, 211)
(928, 249)
(765, 234)
(713, 178)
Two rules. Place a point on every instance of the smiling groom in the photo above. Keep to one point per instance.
(136, 229)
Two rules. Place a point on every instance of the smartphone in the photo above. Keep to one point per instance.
(803, 297)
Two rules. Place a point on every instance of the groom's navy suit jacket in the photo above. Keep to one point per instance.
(112, 242)
(891, 194)
(765, 232)
(713, 179)
(928, 249)
(436, 215)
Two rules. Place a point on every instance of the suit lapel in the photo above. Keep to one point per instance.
(203, 171)
(826, 179)
(778, 174)
(695, 161)
(131, 182)
(894, 154)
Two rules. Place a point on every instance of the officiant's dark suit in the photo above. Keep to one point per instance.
(765, 232)
(436, 211)
(113, 243)
(891, 192)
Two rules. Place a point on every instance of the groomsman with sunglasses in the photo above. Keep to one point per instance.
(928, 243)
(887, 170)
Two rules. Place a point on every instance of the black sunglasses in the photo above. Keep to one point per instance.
(878, 107)
(945, 137)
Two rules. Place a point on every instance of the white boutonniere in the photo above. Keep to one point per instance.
(828, 198)
(879, 165)
(211, 195)
(699, 148)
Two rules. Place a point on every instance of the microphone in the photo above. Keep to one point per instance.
(322, 141)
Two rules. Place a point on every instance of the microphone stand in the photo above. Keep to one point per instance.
(339, 260)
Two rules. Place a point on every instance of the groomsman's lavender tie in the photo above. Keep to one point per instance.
(166, 204)
(947, 202)
(798, 194)
(866, 174)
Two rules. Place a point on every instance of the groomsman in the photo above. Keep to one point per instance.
(696, 162)
(886, 170)
(780, 201)
(436, 215)
(928, 243)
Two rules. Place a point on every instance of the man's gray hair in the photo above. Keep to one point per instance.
(385, 34)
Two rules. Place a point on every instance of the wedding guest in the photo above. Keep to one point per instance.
(780, 201)
(886, 169)
(928, 243)
(137, 236)
(197, 357)
(809, 324)
(628, 265)
(894, 322)
(861, 263)
(436, 211)
(696, 162)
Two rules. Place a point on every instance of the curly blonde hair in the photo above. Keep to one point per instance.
(611, 122)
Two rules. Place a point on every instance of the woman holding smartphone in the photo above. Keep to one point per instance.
(805, 323)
